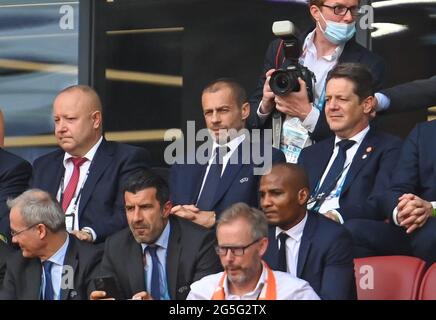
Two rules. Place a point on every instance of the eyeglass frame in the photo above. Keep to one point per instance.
(335, 7)
(16, 233)
(232, 249)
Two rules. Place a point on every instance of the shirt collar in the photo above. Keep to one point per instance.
(309, 46)
(296, 232)
(59, 256)
(358, 137)
(89, 155)
(162, 241)
(232, 144)
(257, 290)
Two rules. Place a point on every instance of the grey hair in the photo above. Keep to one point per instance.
(37, 206)
(255, 218)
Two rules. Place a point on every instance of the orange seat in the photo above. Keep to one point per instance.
(388, 277)
(428, 284)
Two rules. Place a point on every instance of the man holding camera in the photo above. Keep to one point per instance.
(299, 122)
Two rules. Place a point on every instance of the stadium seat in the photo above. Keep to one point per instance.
(427, 290)
(388, 277)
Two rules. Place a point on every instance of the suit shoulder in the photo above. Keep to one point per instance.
(426, 127)
(12, 160)
(328, 229)
(190, 228)
(388, 139)
(48, 157)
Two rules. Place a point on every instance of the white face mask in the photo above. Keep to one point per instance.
(338, 33)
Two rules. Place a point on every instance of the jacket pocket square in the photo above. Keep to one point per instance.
(243, 180)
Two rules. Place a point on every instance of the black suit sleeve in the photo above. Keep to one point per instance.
(410, 96)
(13, 182)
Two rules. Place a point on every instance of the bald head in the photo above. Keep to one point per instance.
(284, 193)
(85, 96)
(78, 119)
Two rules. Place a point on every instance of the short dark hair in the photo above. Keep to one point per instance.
(237, 89)
(144, 179)
(357, 73)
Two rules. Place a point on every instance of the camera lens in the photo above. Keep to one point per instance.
(282, 82)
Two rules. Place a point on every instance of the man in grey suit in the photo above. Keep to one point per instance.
(158, 256)
(52, 265)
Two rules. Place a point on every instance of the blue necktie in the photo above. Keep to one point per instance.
(155, 274)
(282, 265)
(336, 169)
(48, 290)
(213, 179)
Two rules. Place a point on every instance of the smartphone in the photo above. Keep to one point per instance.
(109, 285)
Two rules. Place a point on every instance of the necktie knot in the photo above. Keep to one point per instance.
(220, 153)
(47, 265)
(77, 162)
(152, 250)
(345, 144)
(283, 237)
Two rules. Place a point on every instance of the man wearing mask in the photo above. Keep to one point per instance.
(330, 43)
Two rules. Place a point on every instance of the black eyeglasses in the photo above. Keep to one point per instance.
(341, 10)
(16, 233)
(236, 251)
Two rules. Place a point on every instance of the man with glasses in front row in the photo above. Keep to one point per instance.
(242, 234)
(52, 264)
(298, 122)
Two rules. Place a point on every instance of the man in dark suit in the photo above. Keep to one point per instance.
(231, 174)
(5, 251)
(409, 202)
(86, 174)
(330, 43)
(348, 172)
(15, 174)
(160, 255)
(305, 244)
(52, 265)
(408, 96)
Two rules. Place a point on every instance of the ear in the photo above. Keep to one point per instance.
(368, 105)
(42, 231)
(263, 245)
(314, 12)
(245, 110)
(303, 196)
(166, 210)
(96, 119)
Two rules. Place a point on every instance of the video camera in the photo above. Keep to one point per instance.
(284, 81)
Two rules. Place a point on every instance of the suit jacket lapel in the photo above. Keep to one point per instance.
(71, 259)
(306, 242)
(173, 257)
(33, 280)
(272, 252)
(59, 170)
(232, 168)
(135, 266)
(102, 159)
(320, 164)
(361, 158)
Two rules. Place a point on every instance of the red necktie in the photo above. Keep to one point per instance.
(72, 184)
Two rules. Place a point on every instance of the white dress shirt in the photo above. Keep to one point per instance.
(332, 201)
(232, 145)
(56, 270)
(288, 288)
(292, 244)
(84, 171)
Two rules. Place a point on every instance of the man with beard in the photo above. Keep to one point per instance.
(242, 234)
(159, 255)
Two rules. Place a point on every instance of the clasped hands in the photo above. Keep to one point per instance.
(413, 212)
(191, 212)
